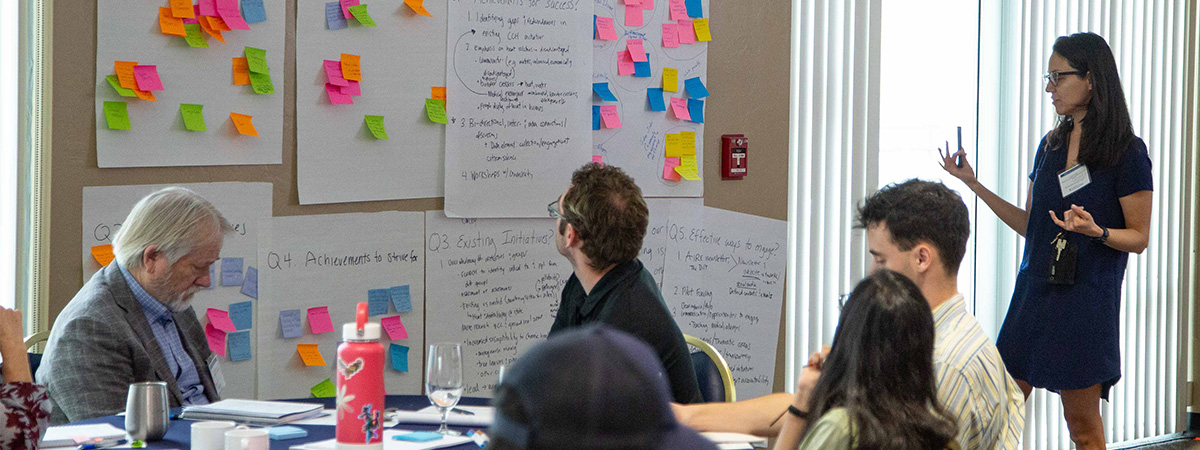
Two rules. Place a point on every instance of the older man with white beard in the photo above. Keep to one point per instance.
(132, 321)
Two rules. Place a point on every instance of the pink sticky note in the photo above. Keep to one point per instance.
(147, 78)
(669, 169)
(346, 4)
(633, 2)
(605, 29)
(220, 319)
(336, 96)
(687, 34)
(670, 35)
(352, 88)
(216, 339)
(333, 71)
(633, 15)
(207, 8)
(680, 106)
(647, 4)
(637, 53)
(318, 320)
(624, 64)
(395, 328)
(598, 159)
(231, 13)
(678, 10)
(609, 114)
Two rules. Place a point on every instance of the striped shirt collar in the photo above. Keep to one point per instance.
(955, 306)
(155, 311)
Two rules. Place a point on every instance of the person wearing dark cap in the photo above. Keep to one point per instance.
(588, 388)
(602, 219)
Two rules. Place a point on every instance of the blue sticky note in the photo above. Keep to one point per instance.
(283, 433)
(212, 276)
(694, 8)
(642, 69)
(594, 31)
(377, 301)
(334, 20)
(417, 436)
(695, 87)
(239, 345)
(290, 321)
(603, 91)
(242, 315)
(231, 271)
(253, 12)
(595, 117)
(401, 298)
(696, 110)
(399, 357)
(656, 99)
(250, 283)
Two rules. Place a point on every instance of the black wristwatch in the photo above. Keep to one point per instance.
(797, 412)
(1103, 238)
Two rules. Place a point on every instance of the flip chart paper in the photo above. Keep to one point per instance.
(394, 327)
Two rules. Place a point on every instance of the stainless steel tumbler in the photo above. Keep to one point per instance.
(146, 412)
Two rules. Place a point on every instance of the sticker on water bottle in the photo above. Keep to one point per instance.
(349, 370)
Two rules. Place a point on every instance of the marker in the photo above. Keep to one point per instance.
(462, 411)
(95, 445)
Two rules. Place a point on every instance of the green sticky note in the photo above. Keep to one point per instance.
(360, 12)
(116, 84)
(375, 123)
(436, 110)
(194, 37)
(116, 115)
(261, 82)
(193, 116)
(257, 59)
(324, 389)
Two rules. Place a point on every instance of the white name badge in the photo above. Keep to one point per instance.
(1074, 179)
(214, 369)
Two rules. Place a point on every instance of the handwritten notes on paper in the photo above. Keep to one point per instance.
(519, 77)
(360, 13)
(242, 315)
(103, 254)
(399, 355)
(116, 115)
(216, 339)
(319, 321)
(231, 271)
(169, 24)
(290, 323)
(239, 346)
(244, 124)
(375, 124)
(394, 327)
(324, 389)
(219, 319)
(418, 6)
(193, 116)
(310, 354)
(435, 110)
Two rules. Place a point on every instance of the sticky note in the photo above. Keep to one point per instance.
(103, 254)
(637, 52)
(360, 13)
(324, 389)
(245, 126)
(116, 85)
(695, 87)
(117, 116)
(147, 77)
(375, 124)
(290, 323)
(216, 339)
(145, 95)
(670, 35)
(310, 354)
(182, 9)
(696, 110)
(401, 298)
(206, 25)
(438, 93)
(352, 88)
(250, 283)
(241, 314)
(425, 436)
(687, 168)
(670, 77)
(678, 10)
(633, 2)
(124, 70)
(595, 117)
(346, 4)
(418, 6)
(239, 346)
(647, 4)
(351, 67)
(595, 34)
(624, 64)
(655, 95)
(680, 107)
(194, 37)
(169, 24)
(229, 12)
(605, 29)
(669, 165)
(212, 276)
(436, 110)
(216, 23)
(283, 433)
(598, 159)
(703, 34)
(256, 59)
(608, 113)
(687, 143)
(334, 20)
(671, 146)
(687, 32)
(319, 321)
(231, 271)
(253, 11)
(642, 69)
(193, 116)
(207, 7)
(399, 357)
(220, 319)
(633, 16)
(378, 301)
(241, 72)
(261, 82)
(394, 327)
(604, 92)
(333, 73)
(694, 8)
(336, 96)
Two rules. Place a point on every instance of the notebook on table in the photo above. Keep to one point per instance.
(253, 412)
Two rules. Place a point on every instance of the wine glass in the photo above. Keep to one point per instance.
(444, 380)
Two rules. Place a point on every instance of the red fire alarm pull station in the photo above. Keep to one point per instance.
(733, 156)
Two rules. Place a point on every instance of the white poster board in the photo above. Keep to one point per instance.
(654, 245)
(494, 285)
(724, 284)
(337, 157)
(128, 30)
(242, 204)
(518, 82)
(333, 261)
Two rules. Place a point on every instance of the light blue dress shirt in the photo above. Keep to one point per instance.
(162, 322)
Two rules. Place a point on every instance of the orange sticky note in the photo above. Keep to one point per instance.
(125, 73)
(103, 254)
(169, 24)
(241, 72)
(145, 95)
(438, 92)
(218, 23)
(418, 6)
(244, 124)
(182, 9)
(207, 27)
(310, 354)
(351, 69)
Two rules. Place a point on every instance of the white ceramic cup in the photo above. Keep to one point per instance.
(246, 438)
(210, 435)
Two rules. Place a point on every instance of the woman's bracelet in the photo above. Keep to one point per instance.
(793, 410)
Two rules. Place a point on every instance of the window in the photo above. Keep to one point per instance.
(9, 74)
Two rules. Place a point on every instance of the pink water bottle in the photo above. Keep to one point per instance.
(360, 385)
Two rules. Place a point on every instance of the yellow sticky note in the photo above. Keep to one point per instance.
(124, 71)
(170, 24)
(673, 148)
(438, 93)
(324, 389)
(687, 143)
(244, 124)
(418, 6)
(688, 168)
(670, 79)
(241, 72)
(182, 9)
(702, 32)
(351, 68)
(103, 254)
(310, 354)
(375, 124)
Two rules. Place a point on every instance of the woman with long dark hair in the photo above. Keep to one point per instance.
(876, 387)
(1089, 205)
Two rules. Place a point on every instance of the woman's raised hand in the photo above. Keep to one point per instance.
(964, 173)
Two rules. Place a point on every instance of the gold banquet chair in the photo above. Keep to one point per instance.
(712, 372)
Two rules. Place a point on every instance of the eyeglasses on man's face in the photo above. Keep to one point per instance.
(553, 208)
(1053, 77)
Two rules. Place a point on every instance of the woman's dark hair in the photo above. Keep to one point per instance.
(880, 368)
(507, 403)
(1107, 129)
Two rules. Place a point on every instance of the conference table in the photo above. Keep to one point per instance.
(179, 433)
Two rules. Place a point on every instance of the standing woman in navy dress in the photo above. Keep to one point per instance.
(1061, 332)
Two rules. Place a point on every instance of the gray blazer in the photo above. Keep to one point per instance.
(101, 343)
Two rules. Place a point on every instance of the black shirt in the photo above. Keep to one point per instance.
(627, 298)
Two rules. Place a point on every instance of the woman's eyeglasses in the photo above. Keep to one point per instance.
(1053, 77)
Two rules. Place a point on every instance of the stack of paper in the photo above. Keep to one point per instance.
(72, 435)
(254, 412)
(392, 444)
(731, 441)
(481, 416)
